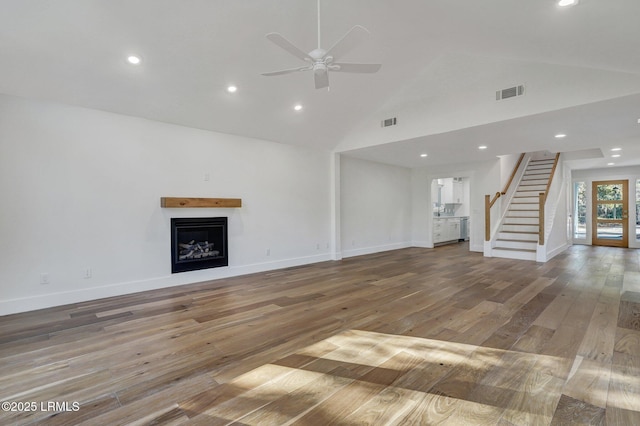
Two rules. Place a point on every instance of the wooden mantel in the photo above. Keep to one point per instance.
(180, 202)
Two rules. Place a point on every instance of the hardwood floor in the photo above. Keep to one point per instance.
(413, 336)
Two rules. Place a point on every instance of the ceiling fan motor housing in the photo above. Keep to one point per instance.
(319, 68)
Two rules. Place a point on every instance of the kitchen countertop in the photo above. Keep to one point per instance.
(450, 217)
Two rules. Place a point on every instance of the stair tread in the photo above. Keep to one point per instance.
(520, 232)
(514, 249)
(516, 241)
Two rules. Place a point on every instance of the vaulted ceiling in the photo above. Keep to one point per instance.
(443, 62)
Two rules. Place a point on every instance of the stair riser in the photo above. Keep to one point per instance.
(521, 221)
(537, 188)
(517, 245)
(528, 182)
(520, 228)
(537, 174)
(522, 199)
(518, 236)
(528, 206)
(528, 193)
(520, 213)
(539, 169)
(540, 165)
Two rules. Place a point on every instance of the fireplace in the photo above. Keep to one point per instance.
(198, 243)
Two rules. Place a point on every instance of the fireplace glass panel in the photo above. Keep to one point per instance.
(198, 243)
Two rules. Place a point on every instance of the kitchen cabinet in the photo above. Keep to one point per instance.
(446, 229)
(452, 191)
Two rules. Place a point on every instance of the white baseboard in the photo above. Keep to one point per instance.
(422, 244)
(14, 306)
(476, 247)
(553, 253)
(375, 249)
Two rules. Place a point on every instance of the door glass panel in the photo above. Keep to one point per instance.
(609, 231)
(609, 211)
(580, 197)
(609, 192)
(638, 209)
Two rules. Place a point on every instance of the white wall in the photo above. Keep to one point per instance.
(556, 227)
(81, 189)
(375, 207)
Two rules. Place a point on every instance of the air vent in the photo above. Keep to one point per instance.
(511, 92)
(389, 122)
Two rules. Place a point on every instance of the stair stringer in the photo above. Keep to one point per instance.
(553, 224)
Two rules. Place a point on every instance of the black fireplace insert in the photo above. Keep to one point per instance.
(198, 243)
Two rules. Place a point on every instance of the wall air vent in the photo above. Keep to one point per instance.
(389, 122)
(510, 92)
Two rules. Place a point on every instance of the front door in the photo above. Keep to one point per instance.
(610, 213)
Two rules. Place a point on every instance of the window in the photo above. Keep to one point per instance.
(580, 210)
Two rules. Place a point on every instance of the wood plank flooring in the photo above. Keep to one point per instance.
(413, 336)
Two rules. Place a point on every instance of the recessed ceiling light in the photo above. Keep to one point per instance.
(133, 59)
(611, 164)
(560, 136)
(232, 89)
(616, 149)
(615, 155)
(482, 147)
(298, 107)
(423, 155)
(565, 3)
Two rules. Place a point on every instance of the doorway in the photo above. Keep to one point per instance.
(610, 213)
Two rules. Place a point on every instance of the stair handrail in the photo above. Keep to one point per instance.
(513, 174)
(542, 201)
(489, 202)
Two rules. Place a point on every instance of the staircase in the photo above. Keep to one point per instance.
(518, 234)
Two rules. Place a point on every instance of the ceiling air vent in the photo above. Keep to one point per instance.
(511, 92)
(389, 122)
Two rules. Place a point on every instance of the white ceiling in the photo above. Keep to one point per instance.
(442, 62)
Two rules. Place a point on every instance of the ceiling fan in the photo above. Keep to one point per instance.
(322, 61)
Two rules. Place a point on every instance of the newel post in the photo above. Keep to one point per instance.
(487, 217)
(541, 219)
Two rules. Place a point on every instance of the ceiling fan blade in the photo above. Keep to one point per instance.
(321, 79)
(288, 46)
(362, 68)
(351, 39)
(287, 71)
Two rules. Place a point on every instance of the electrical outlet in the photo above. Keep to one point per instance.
(44, 278)
(268, 252)
(207, 177)
(87, 273)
